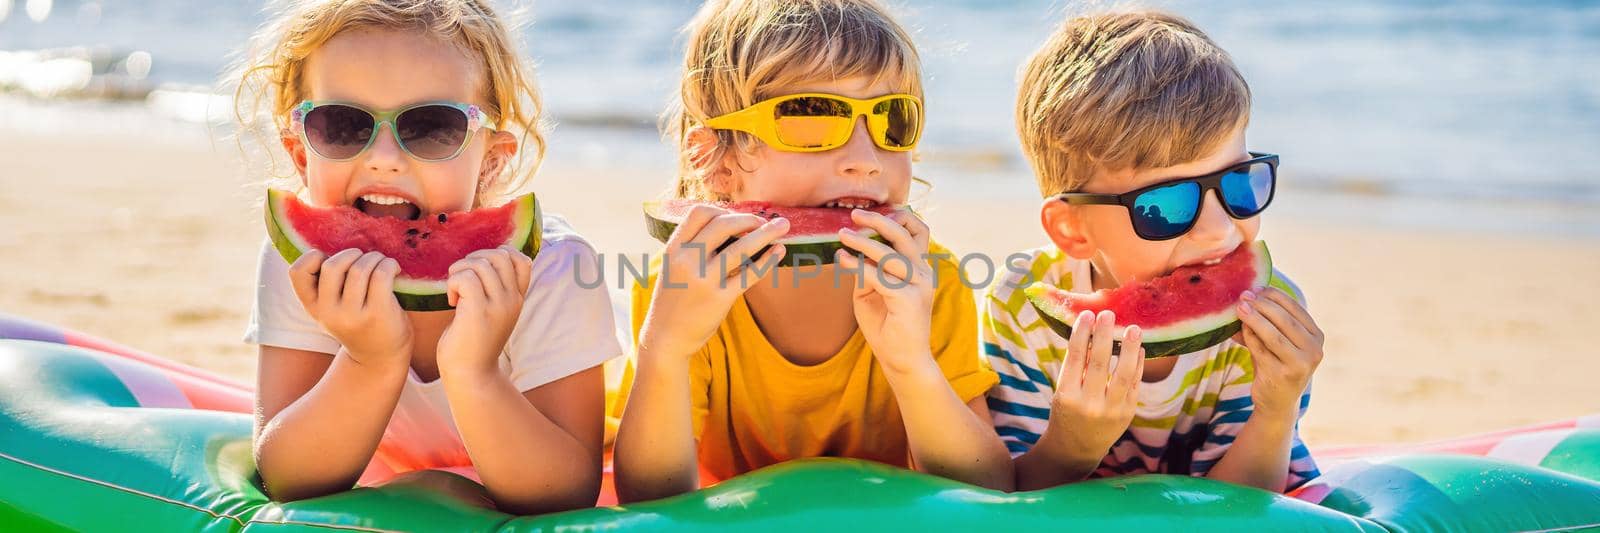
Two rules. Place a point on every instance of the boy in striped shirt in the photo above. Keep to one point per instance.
(1142, 108)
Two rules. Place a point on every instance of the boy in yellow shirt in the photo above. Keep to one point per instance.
(873, 357)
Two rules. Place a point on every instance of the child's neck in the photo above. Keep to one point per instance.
(426, 328)
(806, 320)
(1154, 369)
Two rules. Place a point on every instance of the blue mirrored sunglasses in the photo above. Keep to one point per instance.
(1169, 209)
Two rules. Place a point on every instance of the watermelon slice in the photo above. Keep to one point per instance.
(813, 231)
(1188, 310)
(424, 248)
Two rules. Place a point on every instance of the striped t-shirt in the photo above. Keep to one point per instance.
(1183, 424)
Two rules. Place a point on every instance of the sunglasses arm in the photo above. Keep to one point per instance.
(1083, 198)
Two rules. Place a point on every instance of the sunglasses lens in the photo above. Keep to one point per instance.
(432, 132)
(1166, 212)
(897, 123)
(813, 122)
(338, 131)
(1247, 190)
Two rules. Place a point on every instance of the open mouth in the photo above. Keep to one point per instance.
(383, 205)
(852, 203)
(1212, 261)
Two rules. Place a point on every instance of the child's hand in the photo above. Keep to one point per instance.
(487, 288)
(698, 284)
(1093, 403)
(1285, 345)
(894, 291)
(352, 296)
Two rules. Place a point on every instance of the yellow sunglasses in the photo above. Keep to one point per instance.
(814, 122)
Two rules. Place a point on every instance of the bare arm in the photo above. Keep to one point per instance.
(537, 451)
(319, 418)
(1285, 347)
(947, 438)
(1092, 406)
(1259, 455)
(655, 449)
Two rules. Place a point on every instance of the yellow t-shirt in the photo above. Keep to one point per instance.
(754, 408)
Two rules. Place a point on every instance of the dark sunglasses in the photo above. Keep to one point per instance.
(436, 131)
(1169, 209)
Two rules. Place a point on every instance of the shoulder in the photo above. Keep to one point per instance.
(564, 253)
(559, 240)
(1282, 282)
(1047, 264)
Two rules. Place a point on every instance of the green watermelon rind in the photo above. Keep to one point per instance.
(799, 250)
(412, 294)
(1188, 336)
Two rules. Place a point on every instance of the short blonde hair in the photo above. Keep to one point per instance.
(1125, 90)
(272, 71)
(740, 51)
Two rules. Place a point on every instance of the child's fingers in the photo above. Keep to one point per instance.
(356, 279)
(899, 238)
(464, 285)
(866, 277)
(524, 267)
(746, 248)
(724, 228)
(1263, 355)
(330, 284)
(303, 276)
(697, 219)
(1077, 352)
(1296, 337)
(488, 279)
(1132, 352)
(914, 225)
(381, 288)
(1138, 376)
(886, 258)
(1294, 307)
(504, 270)
(1096, 372)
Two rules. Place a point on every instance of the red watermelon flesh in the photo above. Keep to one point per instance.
(1187, 310)
(806, 224)
(813, 236)
(424, 248)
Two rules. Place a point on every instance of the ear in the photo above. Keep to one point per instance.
(296, 148)
(701, 144)
(1065, 226)
(502, 148)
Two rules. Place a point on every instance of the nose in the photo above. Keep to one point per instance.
(385, 155)
(1213, 223)
(858, 158)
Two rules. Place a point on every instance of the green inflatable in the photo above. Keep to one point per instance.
(96, 441)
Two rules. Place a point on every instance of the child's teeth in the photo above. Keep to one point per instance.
(383, 199)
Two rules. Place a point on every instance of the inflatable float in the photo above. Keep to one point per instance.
(95, 436)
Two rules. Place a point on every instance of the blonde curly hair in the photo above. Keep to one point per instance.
(270, 75)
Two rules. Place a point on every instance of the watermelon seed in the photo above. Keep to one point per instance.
(1194, 279)
(425, 235)
(442, 218)
(412, 231)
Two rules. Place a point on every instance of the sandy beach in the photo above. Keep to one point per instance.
(150, 241)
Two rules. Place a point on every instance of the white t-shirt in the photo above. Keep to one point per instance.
(564, 328)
